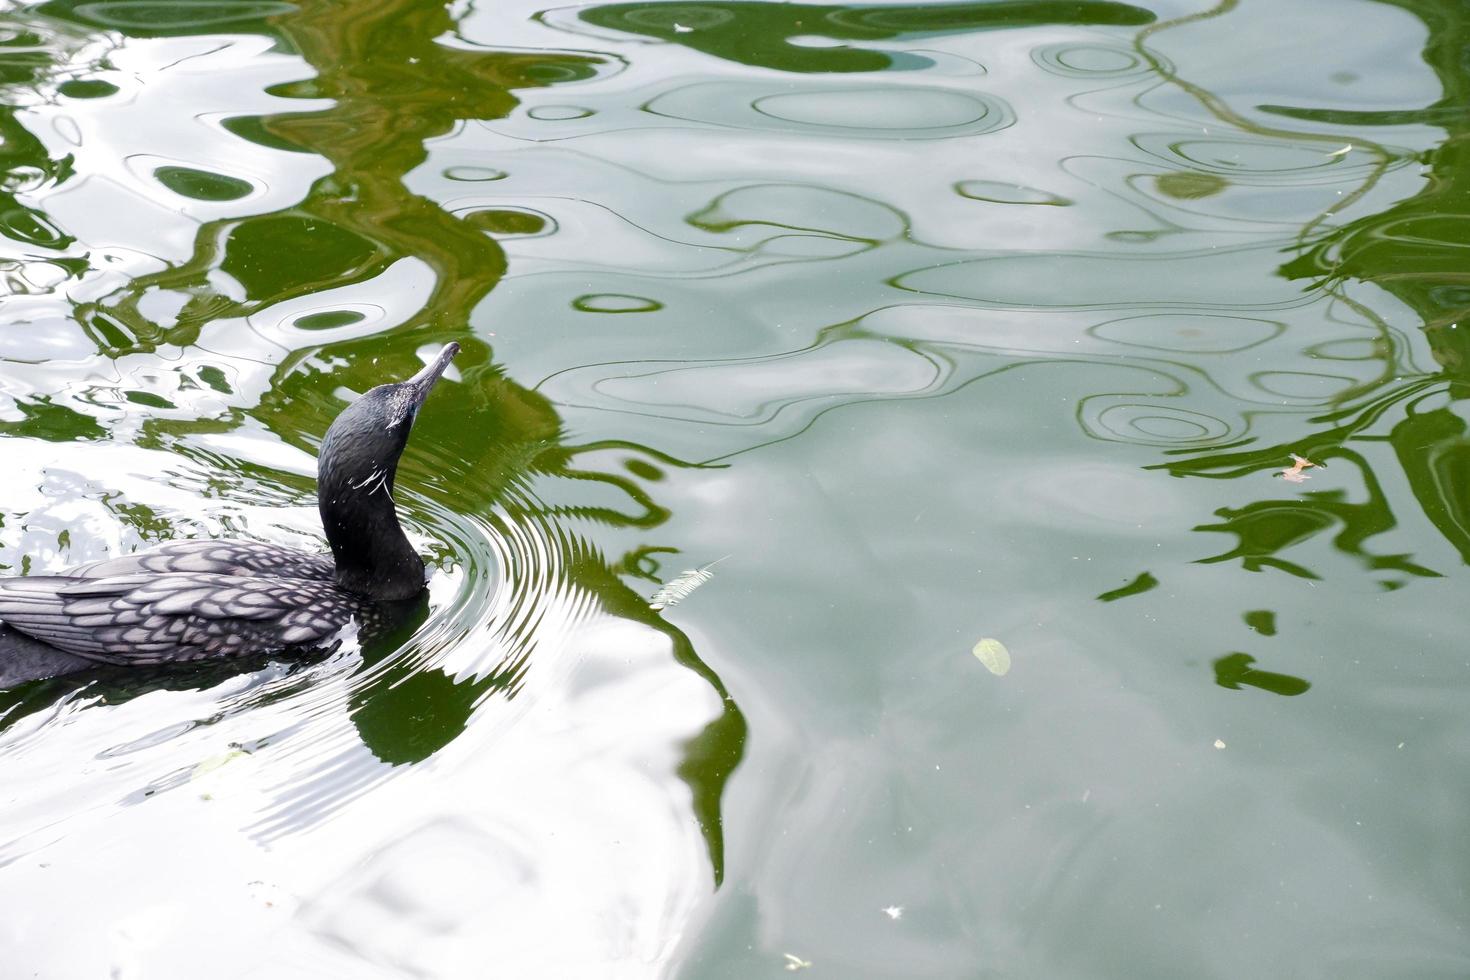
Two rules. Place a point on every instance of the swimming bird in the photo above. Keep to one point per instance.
(200, 599)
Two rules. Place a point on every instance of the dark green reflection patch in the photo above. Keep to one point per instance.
(754, 33)
(55, 423)
(1235, 670)
(31, 227)
(202, 185)
(327, 319)
(507, 222)
(1263, 621)
(302, 88)
(1142, 583)
(215, 378)
(644, 469)
(86, 88)
(155, 17)
(19, 67)
(282, 255)
(148, 398)
(253, 129)
(559, 73)
(21, 39)
(1184, 186)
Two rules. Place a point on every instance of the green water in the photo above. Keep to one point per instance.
(927, 322)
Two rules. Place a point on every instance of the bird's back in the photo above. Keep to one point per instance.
(244, 558)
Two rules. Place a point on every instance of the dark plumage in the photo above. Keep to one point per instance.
(191, 600)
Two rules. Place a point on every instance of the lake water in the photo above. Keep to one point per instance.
(910, 325)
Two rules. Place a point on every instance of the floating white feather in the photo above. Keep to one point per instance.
(677, 589)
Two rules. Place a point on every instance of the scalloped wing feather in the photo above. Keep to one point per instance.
(155, 618)
(218, 557)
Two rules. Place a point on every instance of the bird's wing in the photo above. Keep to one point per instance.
(151, 618)
(219, 557)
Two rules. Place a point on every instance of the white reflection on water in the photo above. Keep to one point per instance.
(559, 841)
(552, 829)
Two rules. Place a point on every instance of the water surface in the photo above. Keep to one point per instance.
(929, 322)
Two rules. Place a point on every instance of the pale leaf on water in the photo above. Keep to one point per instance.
(677, 589)
(994, 655)
(214, 762)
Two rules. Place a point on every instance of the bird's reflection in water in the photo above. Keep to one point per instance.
(405, 713)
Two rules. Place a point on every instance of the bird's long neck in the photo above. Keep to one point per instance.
(373, 556)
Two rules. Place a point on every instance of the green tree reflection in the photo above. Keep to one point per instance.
(394, 84)
(28, 59)
(1415, 250)
(762, 34)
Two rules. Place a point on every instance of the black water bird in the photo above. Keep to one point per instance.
(199, 599)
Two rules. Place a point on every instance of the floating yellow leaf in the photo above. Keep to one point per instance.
(994, 655)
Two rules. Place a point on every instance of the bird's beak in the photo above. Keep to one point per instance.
(420, 384)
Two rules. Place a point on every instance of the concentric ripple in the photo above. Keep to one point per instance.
(861, 112)
(1090, 60)
(500, 598)
(1116, 418)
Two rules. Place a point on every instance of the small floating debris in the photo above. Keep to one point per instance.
(994, 655)
(1219, 743)
(270, 895)
(677, 589)
(894, 912)
(1295, 473)
(1344, 151)
(794, 962)
(681, 29)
